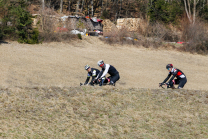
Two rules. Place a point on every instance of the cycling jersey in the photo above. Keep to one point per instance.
(94, 73)
(176, 73)
(114, 74)
(107, 69)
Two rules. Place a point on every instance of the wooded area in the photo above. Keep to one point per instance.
(188, 17)
(164, 10)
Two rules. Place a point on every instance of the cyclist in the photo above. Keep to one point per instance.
(106, 68)
(91, 72)
(180, 77)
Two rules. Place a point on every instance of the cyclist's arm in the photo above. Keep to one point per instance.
(99, 75)
(107, 66)
(88, 78)
(167, 78)
(174, 74)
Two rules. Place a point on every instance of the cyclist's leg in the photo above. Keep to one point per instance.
(182, 83)
(172, 83)
(102, 81)
(114, 79)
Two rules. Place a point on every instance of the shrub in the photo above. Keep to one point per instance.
(167, 12)
(105, 14)
(52, 30)
(196, 38)
(1, 34)
(121, 36)
(79, 36)
(203, 13)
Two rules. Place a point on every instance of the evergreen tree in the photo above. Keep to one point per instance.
(17, 22)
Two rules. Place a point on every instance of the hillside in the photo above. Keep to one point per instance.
(40, 96)
(62, 64)
(102, 113)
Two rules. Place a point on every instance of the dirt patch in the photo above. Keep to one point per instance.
(62, 64)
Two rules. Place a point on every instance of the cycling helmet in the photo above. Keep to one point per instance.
(169, 66)
(100, 63)
(87, 67)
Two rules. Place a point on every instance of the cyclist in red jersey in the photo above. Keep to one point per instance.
(174, 72)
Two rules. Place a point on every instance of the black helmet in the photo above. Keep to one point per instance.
(169, 66)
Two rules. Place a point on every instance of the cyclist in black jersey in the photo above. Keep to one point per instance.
(91, 72)
(106, 68)
(180, 77)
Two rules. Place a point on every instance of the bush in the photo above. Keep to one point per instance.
(56, 36)
(203, 13)
(52, 30)
(121, 36)
(79, 36)
(105, 15)
(167, 12)
(196, 38)
(1, 34)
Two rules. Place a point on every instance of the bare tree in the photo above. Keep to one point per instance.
(61, 6)
(116, 10)
(88, 9)
(43, 4)
(77, 9)
(101, 7)
(69, 5)
(92, 7)
(191, 16)
(82, 5)
(106, 4)
(120, 8)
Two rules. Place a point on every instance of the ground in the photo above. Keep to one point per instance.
(62, 64)
(40, 96)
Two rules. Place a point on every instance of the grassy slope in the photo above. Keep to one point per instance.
(94, 112)
(123, 111)
(62, 64)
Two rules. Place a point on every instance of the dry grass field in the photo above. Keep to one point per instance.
(102, 113)
(40, 96)
(62, 64)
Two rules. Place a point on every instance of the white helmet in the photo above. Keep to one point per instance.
(100, 62)
(87, 67)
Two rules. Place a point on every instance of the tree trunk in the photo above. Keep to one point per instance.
(120, 9)
(92, 7)
(101, 8)
(194, 11)
(191, 17)
(82, 5)
(106, 5)
(69, 6)
(189, 7)
(77, 9)
(127, 10)
(61, 6)
(43, 4)
(116, 10)
(88, 9)
(187, 13)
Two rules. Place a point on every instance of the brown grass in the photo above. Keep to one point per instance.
(40, 97)
(62, 64)
(87, 112)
